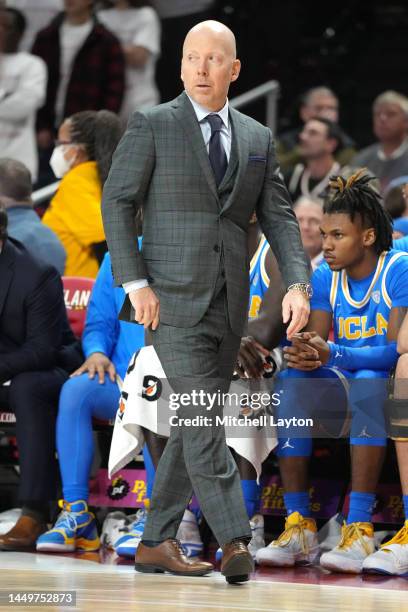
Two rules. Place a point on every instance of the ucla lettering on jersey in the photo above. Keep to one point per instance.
(361, 309)
(258, 278)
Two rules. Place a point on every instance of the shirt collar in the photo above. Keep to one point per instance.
(395, 154)
(202, 112)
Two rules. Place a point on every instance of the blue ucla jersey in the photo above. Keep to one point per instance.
(361, 308)
(258, 278)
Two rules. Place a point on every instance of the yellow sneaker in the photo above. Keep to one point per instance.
(295, 546)
(392, 558)
(356, 544)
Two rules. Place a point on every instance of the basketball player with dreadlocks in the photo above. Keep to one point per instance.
(359, 289)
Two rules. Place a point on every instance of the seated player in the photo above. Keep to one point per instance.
(359, 290)
(392, 558)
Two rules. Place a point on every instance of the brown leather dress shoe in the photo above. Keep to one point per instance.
(168, 557)
(237, 562)
(23, 536)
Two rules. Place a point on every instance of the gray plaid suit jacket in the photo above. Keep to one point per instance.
(162, 165)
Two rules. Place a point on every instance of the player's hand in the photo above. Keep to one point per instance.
(296, 309)
(308, 352)
(97, 364)
(315, 341)
(301, 356)
(147, 307)
(249, 361)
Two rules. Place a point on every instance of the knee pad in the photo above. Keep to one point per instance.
(396, 413)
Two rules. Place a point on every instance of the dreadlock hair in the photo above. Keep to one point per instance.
(354, 196)
(99, 132)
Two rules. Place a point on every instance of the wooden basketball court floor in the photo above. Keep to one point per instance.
(104, 584)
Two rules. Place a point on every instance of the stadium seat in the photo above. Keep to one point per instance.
(77, 291)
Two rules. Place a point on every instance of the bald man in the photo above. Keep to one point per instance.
(199, 169)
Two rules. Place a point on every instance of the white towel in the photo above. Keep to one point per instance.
(145, 379)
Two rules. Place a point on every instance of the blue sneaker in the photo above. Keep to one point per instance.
(75, 529)
(126, 546)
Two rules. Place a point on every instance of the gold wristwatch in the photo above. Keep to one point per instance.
(305, 288)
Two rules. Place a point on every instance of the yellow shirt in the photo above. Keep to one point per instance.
(75, 216)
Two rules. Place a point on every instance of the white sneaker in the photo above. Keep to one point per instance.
(257, 540)
(392, 558)
(295, 546)
(189, 535)
(8, 519)
(113, 527)
(330, 533)
(356, 544)
(258, 535)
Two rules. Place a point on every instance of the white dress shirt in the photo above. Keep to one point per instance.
(226, 136)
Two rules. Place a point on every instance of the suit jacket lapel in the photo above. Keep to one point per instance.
(240, 136)
(184, 112)
(6, 272)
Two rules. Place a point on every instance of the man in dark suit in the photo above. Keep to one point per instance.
(199, 169)
(37, 353)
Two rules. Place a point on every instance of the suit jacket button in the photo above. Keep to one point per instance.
(216, 248)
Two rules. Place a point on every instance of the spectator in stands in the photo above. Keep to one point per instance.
(37, 353)
(38, 14)
(388, 158)
(177, 17)
(317, 102)
(23, 223)
(82, 158)
(86, 67)
(138, 28)
(395, 202)
(309, 214)
(319, 140)
(23, 82)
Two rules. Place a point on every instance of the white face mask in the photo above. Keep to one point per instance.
(59, 165)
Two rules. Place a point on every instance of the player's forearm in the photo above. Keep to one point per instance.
(367, 358)
(267, 331)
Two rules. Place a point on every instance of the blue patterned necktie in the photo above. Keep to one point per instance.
(216, 152)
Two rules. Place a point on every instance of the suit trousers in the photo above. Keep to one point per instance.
(196, 458)
(33, 397)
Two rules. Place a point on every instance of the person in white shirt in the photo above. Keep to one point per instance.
(138, 28)
(23, 82)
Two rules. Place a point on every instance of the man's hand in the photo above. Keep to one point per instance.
(97, 363)
(249, 360)
(296, 309)
(308, 352)
(147, 307)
